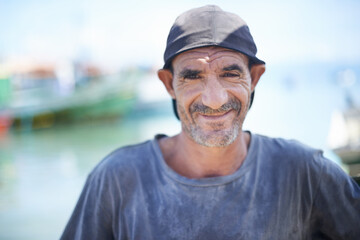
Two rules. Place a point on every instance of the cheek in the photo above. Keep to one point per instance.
(187, 95)
(242, 93)
(184, 114)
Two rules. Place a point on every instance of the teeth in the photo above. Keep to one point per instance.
(216, 114)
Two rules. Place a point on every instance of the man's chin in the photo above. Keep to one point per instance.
(215, 138)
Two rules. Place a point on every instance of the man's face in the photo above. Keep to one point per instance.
(212, 87)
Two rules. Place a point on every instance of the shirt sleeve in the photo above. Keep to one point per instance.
(336, 206)
(92, 217)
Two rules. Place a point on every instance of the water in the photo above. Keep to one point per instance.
(43, 172)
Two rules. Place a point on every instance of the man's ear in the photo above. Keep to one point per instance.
(167, 78)
(256, 71)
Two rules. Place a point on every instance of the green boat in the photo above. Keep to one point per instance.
(105, 97)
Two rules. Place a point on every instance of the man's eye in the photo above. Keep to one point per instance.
(192, 76)
(229, 74)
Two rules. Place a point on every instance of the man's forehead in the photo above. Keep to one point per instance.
(209, 55)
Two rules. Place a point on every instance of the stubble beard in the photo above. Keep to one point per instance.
(215, 138)
(218, 136)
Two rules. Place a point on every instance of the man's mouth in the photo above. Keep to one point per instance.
(217, 116)
(206, 111)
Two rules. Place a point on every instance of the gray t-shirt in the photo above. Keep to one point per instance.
(283, 190)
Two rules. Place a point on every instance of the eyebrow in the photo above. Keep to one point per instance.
(233, 67)
(187, 72)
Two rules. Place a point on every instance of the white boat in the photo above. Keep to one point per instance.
(344, 138)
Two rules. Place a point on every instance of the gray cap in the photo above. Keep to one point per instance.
(209, 26)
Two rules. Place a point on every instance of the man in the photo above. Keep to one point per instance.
(213, 180)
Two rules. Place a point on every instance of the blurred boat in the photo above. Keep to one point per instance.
(47, 102)
(344, 138)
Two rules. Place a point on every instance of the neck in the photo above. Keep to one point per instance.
(192, 160)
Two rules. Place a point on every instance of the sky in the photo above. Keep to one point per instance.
(125, 33)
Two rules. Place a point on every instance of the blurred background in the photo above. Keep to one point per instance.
(78, 80)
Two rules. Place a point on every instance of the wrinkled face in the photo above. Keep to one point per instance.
(212, 87)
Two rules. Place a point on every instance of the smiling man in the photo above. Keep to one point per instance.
(213, 180)
(212, 87)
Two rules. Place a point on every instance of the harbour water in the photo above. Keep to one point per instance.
(42, 172)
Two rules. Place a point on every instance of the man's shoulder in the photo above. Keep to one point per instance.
(285, 146)
(129, 152)
(297, 159)
(125, 159)
(290, 151)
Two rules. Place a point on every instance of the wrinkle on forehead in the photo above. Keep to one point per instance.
(208, 55)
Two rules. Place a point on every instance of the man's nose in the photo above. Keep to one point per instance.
(214, 94)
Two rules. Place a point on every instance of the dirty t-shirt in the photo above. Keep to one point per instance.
(283, 190)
